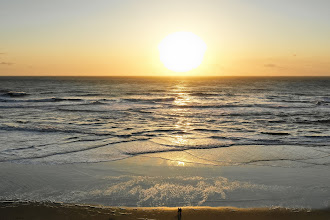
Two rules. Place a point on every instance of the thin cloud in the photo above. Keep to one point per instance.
(6, 63)
(271, 65)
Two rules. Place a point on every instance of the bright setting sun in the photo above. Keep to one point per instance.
(182, 51)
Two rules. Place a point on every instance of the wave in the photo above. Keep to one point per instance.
(13, 94)
(54, 153)
(178, 148)
(157, 131)
(51, 129)
(91, 94)
(96, 103)
(151, 101)
(68, 131)
(207, 130)
(54, 99)
(82, 110)
(17, 149)
(66, 99)
(275, 133)
(225, 138)
(203, 94)
(296, 101)
(317, 136)
(321, 121)
(211, 106)
(324, 101)
(238, 106)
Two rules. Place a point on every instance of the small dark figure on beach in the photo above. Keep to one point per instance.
(179, 213)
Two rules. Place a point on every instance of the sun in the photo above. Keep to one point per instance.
(182, 51)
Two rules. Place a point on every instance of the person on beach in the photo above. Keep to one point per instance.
(179, 213)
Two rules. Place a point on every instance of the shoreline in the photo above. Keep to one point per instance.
(49, 210)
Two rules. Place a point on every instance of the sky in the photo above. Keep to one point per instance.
(121, 38)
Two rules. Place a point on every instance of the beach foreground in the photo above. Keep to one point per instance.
(31, 210)
(156, 181)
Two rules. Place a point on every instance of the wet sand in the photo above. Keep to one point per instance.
(157, 182)
(30, 210)
(63, 191)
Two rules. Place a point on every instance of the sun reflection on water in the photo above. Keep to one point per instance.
(182, 99)
(183, 123)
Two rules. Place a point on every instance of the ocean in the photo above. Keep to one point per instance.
(59, 120)
(218, 121)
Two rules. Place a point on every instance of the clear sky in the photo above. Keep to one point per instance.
(106, 37)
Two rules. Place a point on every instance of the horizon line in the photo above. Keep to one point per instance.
(165, 76)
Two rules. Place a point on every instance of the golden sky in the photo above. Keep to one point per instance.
(104, 37)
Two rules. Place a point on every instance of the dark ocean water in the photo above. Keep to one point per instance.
(82, 119)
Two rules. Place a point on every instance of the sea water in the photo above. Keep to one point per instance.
(227, 141)
(63, 119)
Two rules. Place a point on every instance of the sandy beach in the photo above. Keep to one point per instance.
(35, 211)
